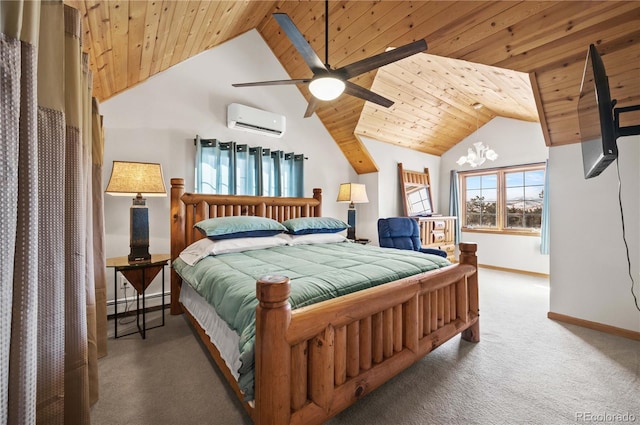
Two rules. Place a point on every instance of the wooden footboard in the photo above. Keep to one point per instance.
(314, 362)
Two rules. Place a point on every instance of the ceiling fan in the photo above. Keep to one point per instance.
(327, 83)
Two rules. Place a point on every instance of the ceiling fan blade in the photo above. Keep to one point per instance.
(382, 59)
(311, 108)
(300, 43)
(357, 91)
(273, 83)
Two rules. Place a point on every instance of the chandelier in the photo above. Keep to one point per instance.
(477, 155)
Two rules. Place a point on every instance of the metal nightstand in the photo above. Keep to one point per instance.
(140, 274)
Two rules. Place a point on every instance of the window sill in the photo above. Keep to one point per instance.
(502, 232)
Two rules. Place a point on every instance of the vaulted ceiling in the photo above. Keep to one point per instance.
(522, 60)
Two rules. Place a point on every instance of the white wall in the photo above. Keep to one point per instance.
(157, 120)
(589, 271)
(383, 187)
(516, 142)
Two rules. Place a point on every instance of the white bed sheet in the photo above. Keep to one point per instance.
(220, 334)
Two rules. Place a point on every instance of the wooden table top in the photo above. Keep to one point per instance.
(123, 262)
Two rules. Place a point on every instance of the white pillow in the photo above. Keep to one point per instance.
(316, 238)
(197, 251)
(204, 247)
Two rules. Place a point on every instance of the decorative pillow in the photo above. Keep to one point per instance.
(205, 247)
(239, 227)
(308, 225)
(313, 238)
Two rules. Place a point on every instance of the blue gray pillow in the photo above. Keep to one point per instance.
(309, 225)
(239, 227)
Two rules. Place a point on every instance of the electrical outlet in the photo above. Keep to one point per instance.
(124, 283)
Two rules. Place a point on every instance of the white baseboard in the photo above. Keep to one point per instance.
(129, 303)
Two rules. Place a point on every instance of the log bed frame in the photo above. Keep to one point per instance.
(314, 362)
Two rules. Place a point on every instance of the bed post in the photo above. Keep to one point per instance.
(177, 239)
(468, 256)
(272, 352)
(317, 194)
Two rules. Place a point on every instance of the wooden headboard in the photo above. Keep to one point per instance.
(189, 208)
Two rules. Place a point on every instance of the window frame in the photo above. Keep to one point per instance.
(501, 190)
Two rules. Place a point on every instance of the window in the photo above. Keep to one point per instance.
(507, 200)
(230, 168)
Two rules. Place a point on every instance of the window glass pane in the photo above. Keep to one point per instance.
(534, 178)
(241, 174)
(208, 179)
(488, 220)
(474, 203)
(514, 194)
(268, 177)
(533, 220)
(252, 174)
(473, 220)
(481, 201)
(524, 195)
(514, 179)
(490, 195)
(534, 193)
(473, 182)
(514, 220)
(223, 184)
(489, 181)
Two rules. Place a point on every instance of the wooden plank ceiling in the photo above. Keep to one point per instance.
(474, 49)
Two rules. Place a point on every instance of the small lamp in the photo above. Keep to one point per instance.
(354, 193)
(137, 179)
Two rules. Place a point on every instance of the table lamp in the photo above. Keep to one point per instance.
(137, 179)
(354, 193)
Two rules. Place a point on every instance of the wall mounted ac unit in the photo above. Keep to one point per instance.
(246, 118)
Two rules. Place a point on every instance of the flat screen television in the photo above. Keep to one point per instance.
(595, 113)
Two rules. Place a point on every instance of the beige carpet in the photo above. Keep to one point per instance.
(526, 369)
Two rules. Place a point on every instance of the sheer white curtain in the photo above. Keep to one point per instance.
(48, 342)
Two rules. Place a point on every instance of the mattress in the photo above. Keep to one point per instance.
(221, 335)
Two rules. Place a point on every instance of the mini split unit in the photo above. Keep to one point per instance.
(246, 118)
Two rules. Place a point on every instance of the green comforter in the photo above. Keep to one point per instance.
(317, 272)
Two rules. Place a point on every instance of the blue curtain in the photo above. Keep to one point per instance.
(255, 171)
(544, 231)
(209, 167)
(234, 169)
(243, 184)
(278, 164)
(296, 175)
(454, 204)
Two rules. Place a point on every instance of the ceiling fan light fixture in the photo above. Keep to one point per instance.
(326, 88)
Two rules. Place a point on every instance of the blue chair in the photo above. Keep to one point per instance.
(403, 233)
